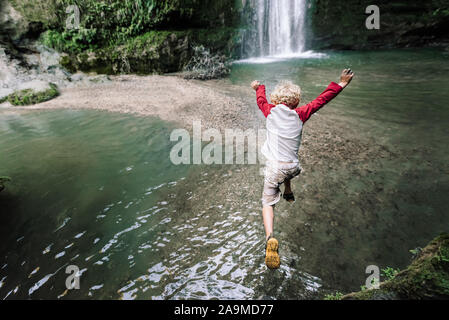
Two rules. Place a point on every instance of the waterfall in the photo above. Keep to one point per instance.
(280, 27)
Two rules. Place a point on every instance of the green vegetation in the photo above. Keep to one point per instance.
(135, 36)
(68, 41)
(29, 96)
(390, 273)
(104, 23)
(154, 51)
(427, 277)
(336, 296)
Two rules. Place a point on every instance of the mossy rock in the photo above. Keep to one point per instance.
(161, 51)
(2, 182)
(427, 277)
(30, 96)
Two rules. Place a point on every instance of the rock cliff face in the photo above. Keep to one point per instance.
(141, 36)
(146, 36)
(12, 24)
(412, 23)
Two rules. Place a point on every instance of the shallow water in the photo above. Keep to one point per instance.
(375, 210)
(97, 190)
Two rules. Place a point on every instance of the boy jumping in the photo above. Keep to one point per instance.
(284, 130)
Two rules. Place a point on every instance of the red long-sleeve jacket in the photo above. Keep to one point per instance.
(284, 125)
(306, 111)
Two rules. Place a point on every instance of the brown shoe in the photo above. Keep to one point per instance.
(290, 197)
(272, 259)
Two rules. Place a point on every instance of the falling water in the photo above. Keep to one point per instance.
(280, 27)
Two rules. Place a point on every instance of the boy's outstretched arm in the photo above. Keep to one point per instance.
(262, 102)
(306, 111)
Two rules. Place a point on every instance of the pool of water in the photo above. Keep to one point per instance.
(85, 189)
(97, 190)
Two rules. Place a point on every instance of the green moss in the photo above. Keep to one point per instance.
(69, 41)
(336, 296)
(67, 63)
(390, 273)
(29, 96)
(223, 39)
(158, 51)
(141, 36)
(46, 12)
(113, 22)
(151, 39)
(427, 277)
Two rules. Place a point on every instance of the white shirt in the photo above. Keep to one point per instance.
(284, 132)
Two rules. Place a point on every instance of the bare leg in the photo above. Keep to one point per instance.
(288, 187)
(268, 218)
(272, 259)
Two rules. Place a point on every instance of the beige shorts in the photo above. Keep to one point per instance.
(275, 175)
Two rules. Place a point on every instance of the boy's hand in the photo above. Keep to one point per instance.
(255, 85)
(346, 77)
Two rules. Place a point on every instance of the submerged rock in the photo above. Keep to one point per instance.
(2, 182)
(426, 278)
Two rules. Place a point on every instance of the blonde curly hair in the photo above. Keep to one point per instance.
(286, 93)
